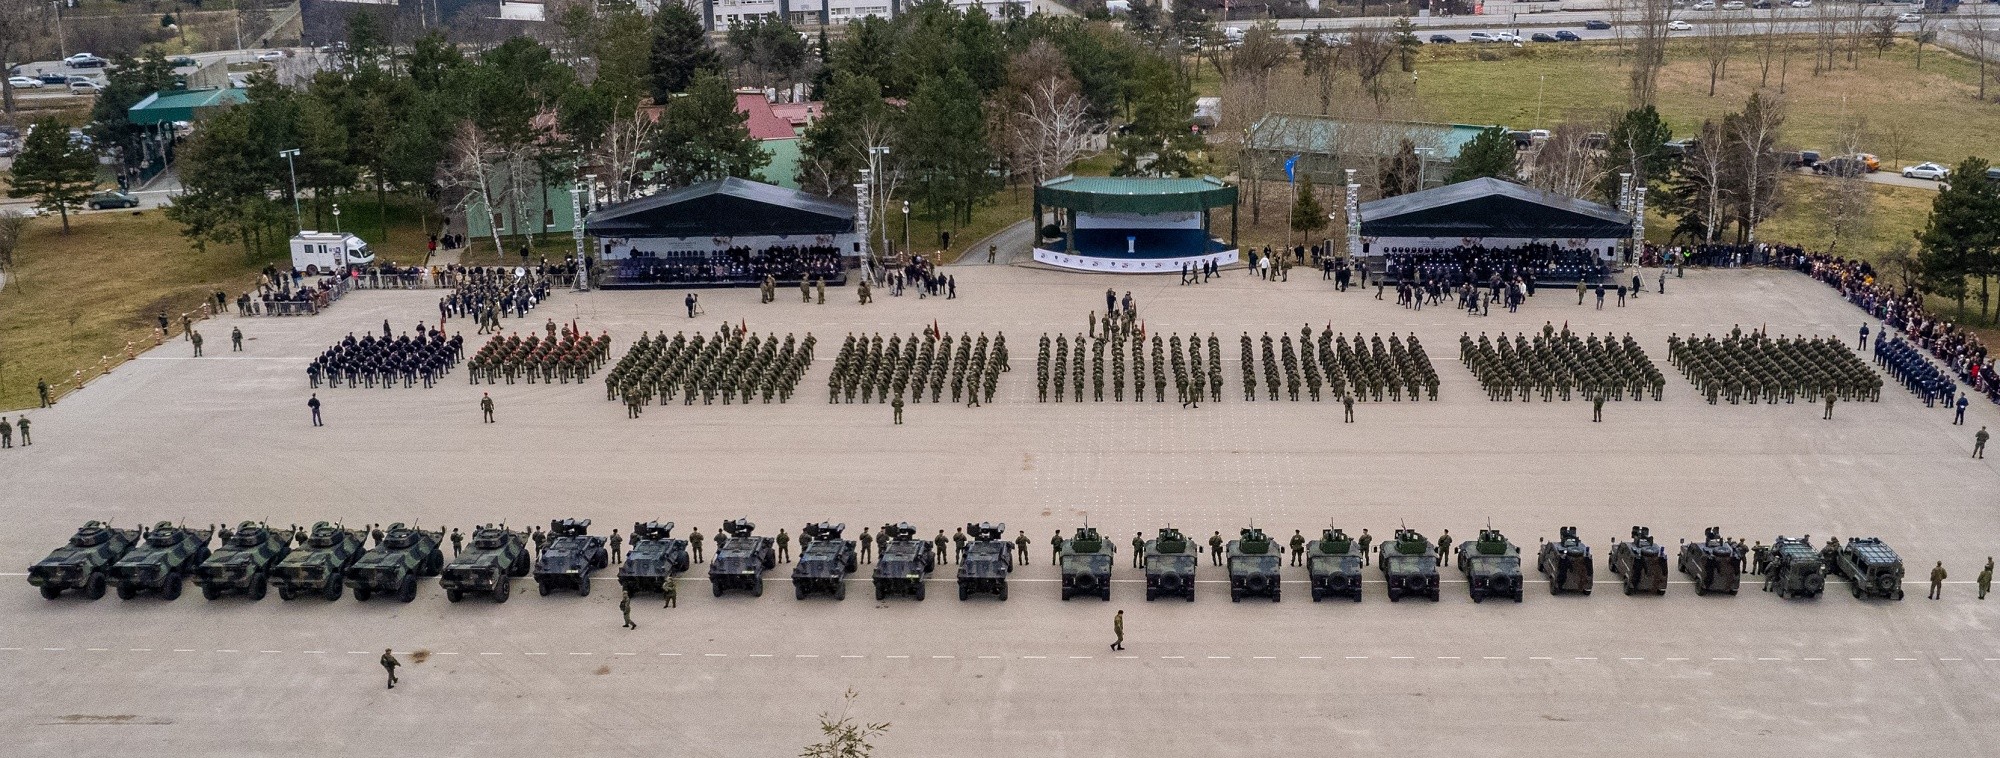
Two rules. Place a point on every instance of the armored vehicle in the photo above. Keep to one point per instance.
(1408, 566)
(569, 557)
(824, 563)
(321, 564)
(1492, 566)
(904, 563)
(1567, 563)
(988, 559)
(1874, 569)
(741, 558)
(1253, 566)
(84, 563)
(160, 561)
(1641, 563)
(243, 563)
(1333, 565)
(1170, 565)
(394, 565)
(489, 564)
(1715, 564)
(655, 555)
(1794, 569)
(1085, 562)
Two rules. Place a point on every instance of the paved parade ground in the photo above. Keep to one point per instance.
(226, 437)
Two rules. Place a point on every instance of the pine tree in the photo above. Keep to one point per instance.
(680, 50)
(58, 172)
(1489, 154)
(1307, 215)
(702, 136)
(1962, 234)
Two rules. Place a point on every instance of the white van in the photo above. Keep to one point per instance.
(329, 252)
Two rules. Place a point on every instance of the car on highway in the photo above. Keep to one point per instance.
(1678, 25)
(182, 61)
(1481, 37)
(1909, 18)
(1734, 5)
(111, 199)
(1442, 39)
(1506, 37)
(266, 56)
(1597, 24)
(1802, 3)
(85, 87)
(1931, 171)
(53, 78)
(1541, 37)
(1567, 36)
(1704, 5)
(24, 82)
(85, 60)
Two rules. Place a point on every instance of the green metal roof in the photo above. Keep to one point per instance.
(183, 105)
(1110, 194)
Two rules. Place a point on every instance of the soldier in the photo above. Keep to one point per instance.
(486, 407)
(1298, 544)
(6, 433)
(1118, 628)
(1597, 407)
(1986, 578)
(1760, 555)
(1444, 546)
(313, 404)
(819, 290)
(389, 664)
(235, 339)
(882, 540)
(1215, 548)
(1829, 406)
(694, 543)
(867, 545)
(617, 544)
(673, 592)
(805, 291)
(625, 609)
(25, 439)
(1055, 547)
(1937, 580)
(539, 538)
(1979, 443)
(1021, 544)
(1366, 538)
(940, 542)
(897, 405)
(195, 337)
(784, 547)
(457, 541)
(958, 544)
(42, 390)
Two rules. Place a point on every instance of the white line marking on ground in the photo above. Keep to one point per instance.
(1631, 659)
(148, 650)
(1263, 657)
(1172, 657)
(535, 653)
(1218, 657)
(1870, 659)
(228, 651)
(1722, 659)
(185, 650)
(1904, 659)
(1770, 659)
(1813, 659)
(1309, 657)
(905, 657)
(935, 657)
(1127, 657)
(270, 651)
(1402, 657)
(1540, 658)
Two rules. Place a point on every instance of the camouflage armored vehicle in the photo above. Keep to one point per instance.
(394, 565)
(569, 557)
(1492, 566)
(989, 557)
(492, 561)
(1641, 563)
(741, 558)
(1085, 562)
(1715, 564)
(160, 561)
(1333, 566)
(320, 565)
(244, 562)
(1253, 566)
(1873, 568)
(825, 562)
(1170, 566)
(1567, 563)
(84, 563)
(1794, 569)
(1408, 566)
(904, 563)
(655, 555)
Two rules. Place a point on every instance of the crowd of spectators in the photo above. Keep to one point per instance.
(1531, 264)
(1902, 309)
(741, 266)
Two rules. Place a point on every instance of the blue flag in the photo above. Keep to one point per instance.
(1289, 164)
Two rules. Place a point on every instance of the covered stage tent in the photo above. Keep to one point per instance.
(1491, 213)
(725, 232)
(1134, 225)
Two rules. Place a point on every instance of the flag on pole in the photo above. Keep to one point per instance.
(1290, 164)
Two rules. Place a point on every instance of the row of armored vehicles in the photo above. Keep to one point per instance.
(327, 559)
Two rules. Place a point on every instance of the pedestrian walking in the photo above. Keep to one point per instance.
(486, 407)
(389, 664)
(1979, 443)
(1986, 578)
(1118, 628)
(625, 609)
(1937, 581)
(314, 405)
(25, 439)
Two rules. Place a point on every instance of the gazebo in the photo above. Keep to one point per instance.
(1134, 225)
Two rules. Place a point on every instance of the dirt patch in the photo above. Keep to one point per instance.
(420, 656)
(602, 670)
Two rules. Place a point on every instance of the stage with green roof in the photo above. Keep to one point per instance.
(1134, 225)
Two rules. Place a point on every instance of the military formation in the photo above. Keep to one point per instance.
(731, 364)
(369, 361)
(321, 560)
(1558, 365)
(888, 372)
(570, 356)
(1907, 364)
(1307, 369)
(487, 295)
(1745, 368)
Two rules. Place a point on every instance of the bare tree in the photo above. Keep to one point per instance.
(1053, 128)
(1847, 202)
(1882, 33)
(617, 156)
(1826, 37)
(1718, 40)
(1767, 48)
(1568, 162)
(1261, 53)
(1649, 48)
(1754, 132)
(12, 224)
(1324, 56)
(1373, 49)
(1707, 162)
(1979, 42)
(468, 171)
(20, 22)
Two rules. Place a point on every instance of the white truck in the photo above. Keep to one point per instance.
(328, 252)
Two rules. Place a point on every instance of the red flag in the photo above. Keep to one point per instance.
(935, 331)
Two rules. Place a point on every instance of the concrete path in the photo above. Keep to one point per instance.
(1015, 243)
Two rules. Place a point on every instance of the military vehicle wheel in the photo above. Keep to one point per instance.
(1856, 589)
(964, 592)
(406, 591)
(880, 591)
(451, 595)
(361, 592)
(1700, 588)
(210, 592)
(520, 568)
(1899, 593)
(1151, 594)
(335, 584)
(259, 586)
(798, 591)
(583, 586)
(770, 562)
(93, 587)
(1478, 598)
(542, 587)
(840, 591)
(683, 566)
(502, 592)
(1318, 595)
(126, 591)
(173, 586)
(1393, 597)
(757, 587)
(920, 590)
(851, 565)
(287, 594)
(1003, 593)
(51, 592)
(1628, 588)
(717, 587)
(603, 561)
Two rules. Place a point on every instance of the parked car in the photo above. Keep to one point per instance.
(1704, 5)
(1842, 167)
(1541, 37)
(1869, 161)
(84, 60)
(182, 61)
(1761, 5)
(24, 82)
(1931, 171)
(1802, 3)
(1909, 18)
(266, 56)
(111, 199)
(1678, 25)
(1506, 37)
(53, 78)
(1442, 39)
(1567, 36)
(1734, 5)
(1481, 37)
(1596, 24)
(85, 86)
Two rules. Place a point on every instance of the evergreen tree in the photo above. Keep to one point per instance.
(1307, 215)
(129, 82)
(947, 153)
(680, 50)
(1637, 144)
(59, 173)
(1402, 172)
(1161, 111)
(702, 136)
(834, 148)
(1962, 234)
(1489, 154)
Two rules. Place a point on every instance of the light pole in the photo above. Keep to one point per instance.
(906, 227)
(298, 218)
(336, 218)
(1423, 162)
(576, 212)
(62, 42)
(1544, 83)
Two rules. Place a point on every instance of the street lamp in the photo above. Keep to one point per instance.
(906, 227)
(336, 218)
(1544, 83)
(576, 212)
(298, 218)
(1423, 162)
(62, 42)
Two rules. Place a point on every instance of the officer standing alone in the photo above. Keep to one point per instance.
(1118, 628)
(389, 664)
